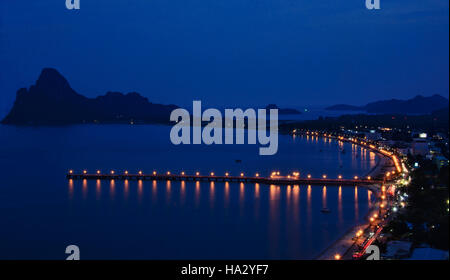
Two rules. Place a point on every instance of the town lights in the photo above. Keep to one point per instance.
(369, 178)
(337, 257)
(70, 171)
(84, 172)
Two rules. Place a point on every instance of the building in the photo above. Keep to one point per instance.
(420, 147)
(372, 135)
(440, 161)
(404, 150)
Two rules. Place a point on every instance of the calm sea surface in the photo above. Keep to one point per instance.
(41, 212)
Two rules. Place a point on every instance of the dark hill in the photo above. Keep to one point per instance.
(283, 111)
(51, 101)
(416, 105)
(344, 107)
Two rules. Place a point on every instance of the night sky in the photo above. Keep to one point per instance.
(232, 53)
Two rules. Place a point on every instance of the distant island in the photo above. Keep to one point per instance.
(416, 105)
(51, 101)
(283, 111)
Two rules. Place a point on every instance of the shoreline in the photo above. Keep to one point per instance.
(343, 244)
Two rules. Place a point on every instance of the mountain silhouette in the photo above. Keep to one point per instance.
(416, 105)
(283, 111)
(51, 101)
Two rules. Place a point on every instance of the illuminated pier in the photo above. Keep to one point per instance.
(212, 177)
(274, 178)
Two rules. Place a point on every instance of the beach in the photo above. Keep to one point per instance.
(345, 245)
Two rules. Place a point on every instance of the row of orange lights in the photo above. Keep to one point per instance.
(383, 196)
(154, 173)
(387, 153)
(294, 174)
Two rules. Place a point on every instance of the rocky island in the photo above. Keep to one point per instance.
(52, 101)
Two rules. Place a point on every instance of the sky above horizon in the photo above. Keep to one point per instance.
(235, 53)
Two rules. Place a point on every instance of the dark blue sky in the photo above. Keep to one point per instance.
(230, 52)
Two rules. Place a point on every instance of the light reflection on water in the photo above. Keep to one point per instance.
(161, 220)
(356, 204)
(112, 189)
(292, 212)
(98, 189)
